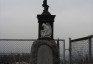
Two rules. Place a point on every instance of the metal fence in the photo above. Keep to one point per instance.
(81, 50)
(14, 51)
(61, 50)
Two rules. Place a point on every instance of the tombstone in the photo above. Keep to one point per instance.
(45, 50)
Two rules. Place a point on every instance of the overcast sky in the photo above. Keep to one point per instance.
(18, 18)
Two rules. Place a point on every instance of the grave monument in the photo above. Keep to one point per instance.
(45, 50)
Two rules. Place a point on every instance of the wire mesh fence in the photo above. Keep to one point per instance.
(81, 50)
(15, 46)
(18, 51)
(13, 51)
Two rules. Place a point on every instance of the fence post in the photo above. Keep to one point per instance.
(58, 44)
(69, 50)
(64, 51)
(90, 52)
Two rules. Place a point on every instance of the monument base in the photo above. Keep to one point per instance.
(44, 52)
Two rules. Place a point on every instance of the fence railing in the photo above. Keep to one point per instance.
(18, 50)
(81, 50)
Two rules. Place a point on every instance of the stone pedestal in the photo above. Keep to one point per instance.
(44, 52)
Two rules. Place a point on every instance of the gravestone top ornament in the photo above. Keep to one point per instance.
(45, 21)
(45, 11)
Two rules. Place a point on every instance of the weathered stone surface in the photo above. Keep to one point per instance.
(44, 52)
(44, 55)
